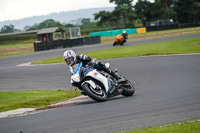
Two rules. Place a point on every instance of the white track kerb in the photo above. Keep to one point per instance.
(15, 112)
(25, 111)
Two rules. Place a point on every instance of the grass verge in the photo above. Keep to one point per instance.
(183, 46)
(33, 99)
(16, 49)
(185, 127)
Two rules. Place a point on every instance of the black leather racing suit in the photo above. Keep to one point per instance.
(86, 60)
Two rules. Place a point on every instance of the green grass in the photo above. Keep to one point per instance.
(33, 99)
(49, 60)
(186, 127)
(183, 46)
(16, 49)
(17, 45)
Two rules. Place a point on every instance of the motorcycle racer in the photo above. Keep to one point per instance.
(125, 35)
(95, 79)
(72, 60)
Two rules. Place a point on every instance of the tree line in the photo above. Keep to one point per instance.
(127, 15)
(181, 11)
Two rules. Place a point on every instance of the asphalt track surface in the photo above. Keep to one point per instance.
(167, 91)
(13, 78)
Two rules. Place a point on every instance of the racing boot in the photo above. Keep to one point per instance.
(118, 77)
(114, 74)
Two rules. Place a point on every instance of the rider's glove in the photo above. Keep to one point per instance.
(94, 61)
(96, 64)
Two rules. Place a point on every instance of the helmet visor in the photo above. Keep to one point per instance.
(69, 61)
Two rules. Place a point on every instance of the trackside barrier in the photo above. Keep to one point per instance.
(141, 30)
(145, 29)
(40, 46)
(113, 32)
(171, 26)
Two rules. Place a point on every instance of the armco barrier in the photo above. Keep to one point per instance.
(40, 46)
(113, 32)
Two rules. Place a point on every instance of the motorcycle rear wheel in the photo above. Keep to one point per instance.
(128, 89)
(98, 94)
(122, 42)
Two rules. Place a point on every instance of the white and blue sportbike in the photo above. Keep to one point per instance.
(99, 85)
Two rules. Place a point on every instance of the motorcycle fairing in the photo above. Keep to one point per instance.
(119, 39)
(76, 75)
(98, 76)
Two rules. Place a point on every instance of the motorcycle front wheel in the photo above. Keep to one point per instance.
(114, 43)
(128, 89)
(98, 94)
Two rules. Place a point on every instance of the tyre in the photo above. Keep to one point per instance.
(98, 94)
(122, 42)
(114, 43)
(128, 89)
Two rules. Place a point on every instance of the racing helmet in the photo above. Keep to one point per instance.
(124, 32)
(69, 57)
